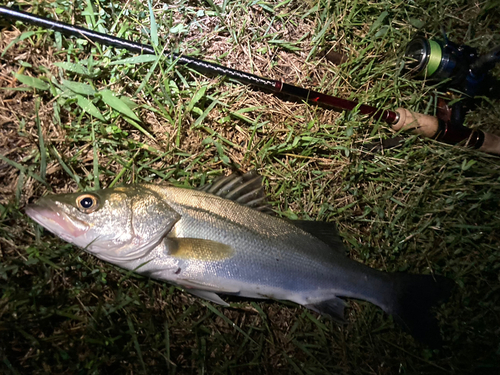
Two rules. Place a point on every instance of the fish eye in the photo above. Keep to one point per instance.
(87, 203)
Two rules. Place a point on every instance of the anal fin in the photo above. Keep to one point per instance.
(332, 307)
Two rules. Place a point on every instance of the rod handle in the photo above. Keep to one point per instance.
(428, 126)
(417, 123)
(491, 144)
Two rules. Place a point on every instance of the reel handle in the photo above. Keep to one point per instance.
(432, 127)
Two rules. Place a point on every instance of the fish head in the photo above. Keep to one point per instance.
(117, 224)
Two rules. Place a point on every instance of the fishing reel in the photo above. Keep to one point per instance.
(458, 69)
(453, 66)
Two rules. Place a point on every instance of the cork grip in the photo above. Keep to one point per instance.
(428, 126)
(417, 123)
(491, 144)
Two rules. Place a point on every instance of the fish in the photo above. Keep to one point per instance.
(223, 239)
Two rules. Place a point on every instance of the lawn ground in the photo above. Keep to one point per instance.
(421, 207)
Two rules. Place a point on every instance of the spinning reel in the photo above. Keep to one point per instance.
(456, 68)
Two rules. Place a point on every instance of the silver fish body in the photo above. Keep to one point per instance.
(271, 258)
(211, 245)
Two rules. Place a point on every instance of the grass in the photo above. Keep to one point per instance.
(76, 116)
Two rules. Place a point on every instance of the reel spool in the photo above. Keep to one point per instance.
(453, 66)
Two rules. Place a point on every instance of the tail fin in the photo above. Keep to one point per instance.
(416, 295)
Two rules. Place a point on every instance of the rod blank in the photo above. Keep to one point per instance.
(202, 66)
(425, 125)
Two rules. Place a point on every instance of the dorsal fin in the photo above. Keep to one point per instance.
(324, 231)
(244, 189)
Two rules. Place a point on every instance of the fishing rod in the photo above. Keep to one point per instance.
(400, 119)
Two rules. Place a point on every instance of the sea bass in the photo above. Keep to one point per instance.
(216, 240)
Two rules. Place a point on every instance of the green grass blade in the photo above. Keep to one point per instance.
(33, 82)
(123, 170)
(65, 167)
(117, 104)
(41, 143)
(73, 68)
(196, 98)
(89, 107)
(227, 320)
(79, 88)
(153, 26)
(23, 169)
(95, 168)
(21, 37)
(136, 343)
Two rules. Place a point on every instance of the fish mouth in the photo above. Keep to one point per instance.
(61, 224)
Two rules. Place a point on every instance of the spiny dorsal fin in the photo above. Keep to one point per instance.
(324, 231)
(244, 189)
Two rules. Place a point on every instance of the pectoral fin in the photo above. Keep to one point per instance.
(197, 285)
(210, 296)
(198, 249)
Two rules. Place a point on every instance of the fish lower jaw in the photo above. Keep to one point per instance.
(62, 225)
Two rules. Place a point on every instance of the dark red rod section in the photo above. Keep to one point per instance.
(202, 66)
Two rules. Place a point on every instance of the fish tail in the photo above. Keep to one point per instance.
(415, 297)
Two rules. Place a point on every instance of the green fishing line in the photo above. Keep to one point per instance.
(434, 58)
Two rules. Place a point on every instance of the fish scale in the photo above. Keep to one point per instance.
(306, 262)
